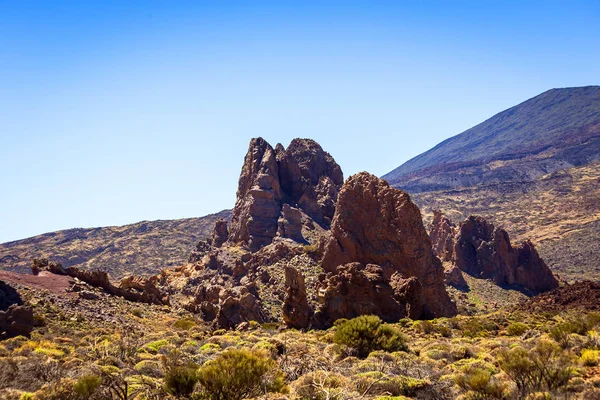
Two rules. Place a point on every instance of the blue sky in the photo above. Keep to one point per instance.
(116, 112)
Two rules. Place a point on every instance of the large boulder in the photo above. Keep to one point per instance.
(277, 187)
(16, 318)
(377, 224)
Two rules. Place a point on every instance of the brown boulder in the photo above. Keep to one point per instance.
(15, 317)
(17, 320)
(220, 233)
(453, 276)
(377, 224)
(296, 310)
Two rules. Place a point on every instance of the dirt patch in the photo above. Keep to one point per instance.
(57, 284)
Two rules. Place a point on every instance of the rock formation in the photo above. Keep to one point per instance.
(356, 289)
(481, 250)
(441, 232)
(275, 184)
(220, 233)
(16, 318)
(132, 288)
(297, 312)
(377, 224)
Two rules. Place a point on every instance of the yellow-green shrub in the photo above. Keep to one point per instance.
(367, 333)
(238, 374)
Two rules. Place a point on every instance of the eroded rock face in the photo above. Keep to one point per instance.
(275, 184)
(484, 251)
(297, 312)
(441, 233)
(356, 289)
(377, 224)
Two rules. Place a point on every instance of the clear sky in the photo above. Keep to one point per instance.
(116, 112)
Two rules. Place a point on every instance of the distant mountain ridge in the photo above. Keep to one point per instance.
(555, 130)
(142, 248)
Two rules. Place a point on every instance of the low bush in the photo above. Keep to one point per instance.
(181, 380)
(367, 333)
(590, 357)
(87, 385)
(238, 374)
(517, 329)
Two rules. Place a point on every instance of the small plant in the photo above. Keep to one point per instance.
(590, 357)
(481, 384)
(181, 380)
(367, 333)
(87, 385)
(517, 329)
(239, 374)
(184, 324)
(137, 312)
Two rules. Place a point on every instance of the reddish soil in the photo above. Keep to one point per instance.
(583, 295)
(57, 284)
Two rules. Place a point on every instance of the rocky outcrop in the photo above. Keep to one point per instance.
(482, 250)
(16, 318)
(441, 233)
(43, 264)
(220, 233)
(227, 307)
(356, 289)
(377, 224)
(275, 183)
(132, 288)
(297, 312)
(453, 276)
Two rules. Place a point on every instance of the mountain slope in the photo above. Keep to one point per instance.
(558, 129)
(559, 212)
(141, 248)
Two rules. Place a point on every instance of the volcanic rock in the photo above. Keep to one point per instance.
(220, 233)
(353, 290)
(484, 251)
(296, 310)
(377, 224)
(453, 276)
(276, 186)
(441, 233)
(15, 317)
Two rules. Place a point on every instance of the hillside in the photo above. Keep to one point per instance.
(142, 248)
(559, 212)
(555, 130)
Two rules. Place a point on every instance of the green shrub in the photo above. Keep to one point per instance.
(238, 374)
(181, 380)
(367, 333)
(589, 357)
(481, 384)
(517, 329)
(184, 324)
(87, 385)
